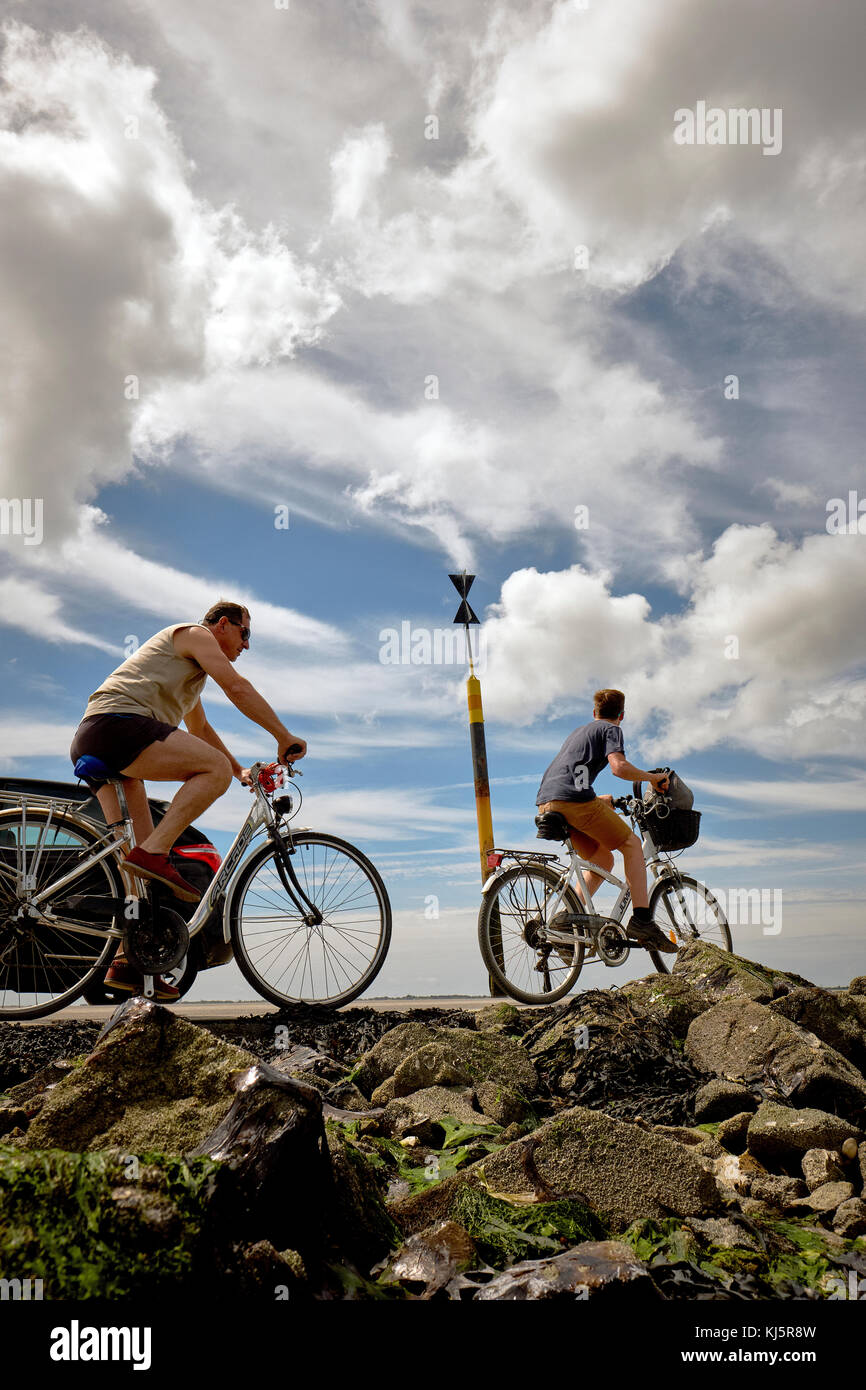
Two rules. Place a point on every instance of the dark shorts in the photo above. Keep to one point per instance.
(117, 738)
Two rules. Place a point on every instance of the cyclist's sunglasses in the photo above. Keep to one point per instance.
(245, 632)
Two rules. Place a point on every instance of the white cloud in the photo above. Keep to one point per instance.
(753, 660)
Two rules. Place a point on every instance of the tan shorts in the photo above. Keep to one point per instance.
(593, 824)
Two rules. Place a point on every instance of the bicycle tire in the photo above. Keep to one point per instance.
(489, 928)
(305, 841)
(664, 963)
(104, 877)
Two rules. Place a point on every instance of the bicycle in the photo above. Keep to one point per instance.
(306, 914)
(533, 924)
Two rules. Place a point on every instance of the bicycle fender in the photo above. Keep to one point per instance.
(497, 873)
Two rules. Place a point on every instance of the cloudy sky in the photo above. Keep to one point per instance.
(439, 280)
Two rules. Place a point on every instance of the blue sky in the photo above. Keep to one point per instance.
(284, 264)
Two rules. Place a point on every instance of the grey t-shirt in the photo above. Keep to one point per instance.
(579, 761)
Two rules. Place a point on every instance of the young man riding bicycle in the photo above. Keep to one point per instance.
(131, 724)
(596, 829)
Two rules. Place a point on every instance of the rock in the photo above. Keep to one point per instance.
(725, 1232)
(820, 1166)
(858, 985)
(501, 1018)
(430, 1260)
(850, 1218)
(823, 1014)
(272, 1141)
(33, 1089)
(732, 1181)
(732, 1133)
(502, 1104)
(720, 975)
(850, 1149)
(861, 1160)
(384, 1093)
(617, 1169)
(671, 997)
(12, 1118)
(779, 1134)
(384, 1058)
(748, 1042)
(606, 1051)
(274, 1273)
(153, 1082)
(778, 1192)
(460, 1057)
(417, 1113)
(346, 1095)
(719, 1100)
(589, 1270)
(683, 1133)
(826, 1198)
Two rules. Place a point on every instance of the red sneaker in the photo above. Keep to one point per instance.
(123, 976)
(158, 867)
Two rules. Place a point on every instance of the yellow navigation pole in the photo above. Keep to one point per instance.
(463, 583)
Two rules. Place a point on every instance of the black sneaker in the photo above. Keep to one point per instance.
(650, 936)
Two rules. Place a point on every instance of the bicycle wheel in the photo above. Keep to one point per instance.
(291, 962)
(46, 964)
(511, 935)
(687, 907)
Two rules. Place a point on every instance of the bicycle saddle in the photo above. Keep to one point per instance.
(552, 825)
(94, 771)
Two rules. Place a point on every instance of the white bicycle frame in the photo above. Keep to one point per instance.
(576, 870)
(260, 814)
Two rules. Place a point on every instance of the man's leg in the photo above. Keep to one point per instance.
(205, 772)
(635, 870)
(600, 856)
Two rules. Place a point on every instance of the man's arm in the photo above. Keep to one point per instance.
(197, 723)
(621, 767)
(202, 646)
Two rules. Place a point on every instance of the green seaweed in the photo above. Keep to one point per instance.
(504, 1232)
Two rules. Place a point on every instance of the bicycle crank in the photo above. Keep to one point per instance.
(611, 943)
(157, 941)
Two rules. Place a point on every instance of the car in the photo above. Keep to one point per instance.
(193, 856)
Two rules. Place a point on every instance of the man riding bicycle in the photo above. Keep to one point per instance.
(596, 829)
(131, 723)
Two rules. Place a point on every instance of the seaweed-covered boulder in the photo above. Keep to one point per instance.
(153, 1082)
(720, 1099)
(616, 1169)
(748, 1042)
(385, 1056)
(720, 975)
(823, 1014)
(779, 1134)
(606, 1050)
(672, 997)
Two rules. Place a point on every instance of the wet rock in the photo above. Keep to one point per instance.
(384, 1093)
(417, 1113)
(604, 1050)
(778, 1134)
(671, 997)
(430, 1260)
(153, 1082)
(29, 1093)
(719, 1100)
(733, 1133)
(849, 1219)
(820, 1166)
(593, 1269)
(272, 1142)
(744, 1041)
(826, 1198)
(725, 1232)
(720, 975)
(26, 1051)
(822, 1013)
(354, 1215)
(778, 1192)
